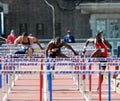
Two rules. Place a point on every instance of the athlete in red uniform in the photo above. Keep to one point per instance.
(101, 46)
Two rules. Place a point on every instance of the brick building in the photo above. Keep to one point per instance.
(83, 17)
(35, 16)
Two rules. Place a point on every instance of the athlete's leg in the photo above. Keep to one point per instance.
(30, 52)
(116, 75)
(96, 53)
(53, 55)
(102, 75)
(20, 51)
(103, 68)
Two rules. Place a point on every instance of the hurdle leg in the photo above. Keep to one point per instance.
(83, 88)
(109, 86)
(83, 79)
(10, 78)
(0, 82)
(41, 79)
(80, 76)
(0, 94)
(44, 87)
(41, 85)
(114, 77)
(90, 86)
(45, 84)
(0, 87)
(78, 81)
(83, 82)
(99, 83)
(4, 84)
(50, 86)
(14, 78)
(49, 78)
(73, 75)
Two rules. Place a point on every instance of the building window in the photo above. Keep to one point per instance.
(101, 25)
(114, 28)
(111, 27)
(40, 29)
(23, 27)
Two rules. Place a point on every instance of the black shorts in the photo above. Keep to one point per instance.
(103, 67)
(103, 59)
(53, 55)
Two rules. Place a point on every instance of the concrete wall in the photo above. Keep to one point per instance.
(32, 12)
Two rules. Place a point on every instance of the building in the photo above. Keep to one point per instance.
(49, 18)
(35, 16)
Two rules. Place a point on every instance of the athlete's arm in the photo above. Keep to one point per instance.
(39, 44)
(86, 44)
(17, 40)
(49, 47)
(68, 46)
(34, 40)
(107, 44)
(89, 41)
(2, 38)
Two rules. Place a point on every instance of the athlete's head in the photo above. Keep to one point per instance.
(99, 36)
(24, 36)
(57, 41)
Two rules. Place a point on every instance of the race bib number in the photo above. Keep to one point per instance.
(102, 50)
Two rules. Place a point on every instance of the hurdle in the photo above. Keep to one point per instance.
(0, 82)
(109, 63)
(10, 68)
(109, 89)
(78, 72)
(49, 78)
(90, 88)
(90, 83)
(90, 78)
(43, 72)
(75, 77)
(82, 77)
(29, 72)
(99, 83)
(41, 80)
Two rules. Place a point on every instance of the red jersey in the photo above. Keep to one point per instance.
(101, 46)
(11, 39)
